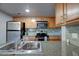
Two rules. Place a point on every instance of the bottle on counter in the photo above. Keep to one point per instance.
(45, 38)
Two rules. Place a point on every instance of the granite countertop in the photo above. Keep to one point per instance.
(47, 47)
(20, 52)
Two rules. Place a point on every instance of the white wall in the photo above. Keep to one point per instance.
(3, 19)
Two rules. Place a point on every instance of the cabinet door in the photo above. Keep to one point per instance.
(59, 13)
(51, 23)
(72, 11)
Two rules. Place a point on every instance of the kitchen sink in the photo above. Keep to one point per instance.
(31, 46)
(21, 48)
(28, 45)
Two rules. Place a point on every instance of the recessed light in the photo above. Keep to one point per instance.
(27, 10)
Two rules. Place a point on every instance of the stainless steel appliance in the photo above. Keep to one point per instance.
(15, 31)
(42, 24)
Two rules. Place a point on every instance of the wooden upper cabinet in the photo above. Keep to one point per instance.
(59, 13)
(66, 13)
(72, 11)
(51, 23)
(31, 24)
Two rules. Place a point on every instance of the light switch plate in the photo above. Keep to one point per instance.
(74, 35)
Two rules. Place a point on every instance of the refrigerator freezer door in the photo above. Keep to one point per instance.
(13, 36)
(14, 26)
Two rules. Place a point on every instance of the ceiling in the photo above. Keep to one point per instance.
(36, 9)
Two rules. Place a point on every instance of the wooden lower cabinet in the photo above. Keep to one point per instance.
(55, 38)
(32, 38)
(29, 38)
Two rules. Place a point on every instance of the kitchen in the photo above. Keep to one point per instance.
(32, 28)
(44, 28)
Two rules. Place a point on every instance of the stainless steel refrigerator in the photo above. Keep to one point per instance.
(14, 31)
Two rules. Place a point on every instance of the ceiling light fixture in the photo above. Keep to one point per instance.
(27, 10)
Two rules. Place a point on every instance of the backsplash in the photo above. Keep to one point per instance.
(72, 34)
(51, 32)
(72, 31)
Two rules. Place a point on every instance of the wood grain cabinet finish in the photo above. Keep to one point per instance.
(51, 23)
(30, 24)
(72, 11)
(59, 13)
(54, 38)
(66, 12)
